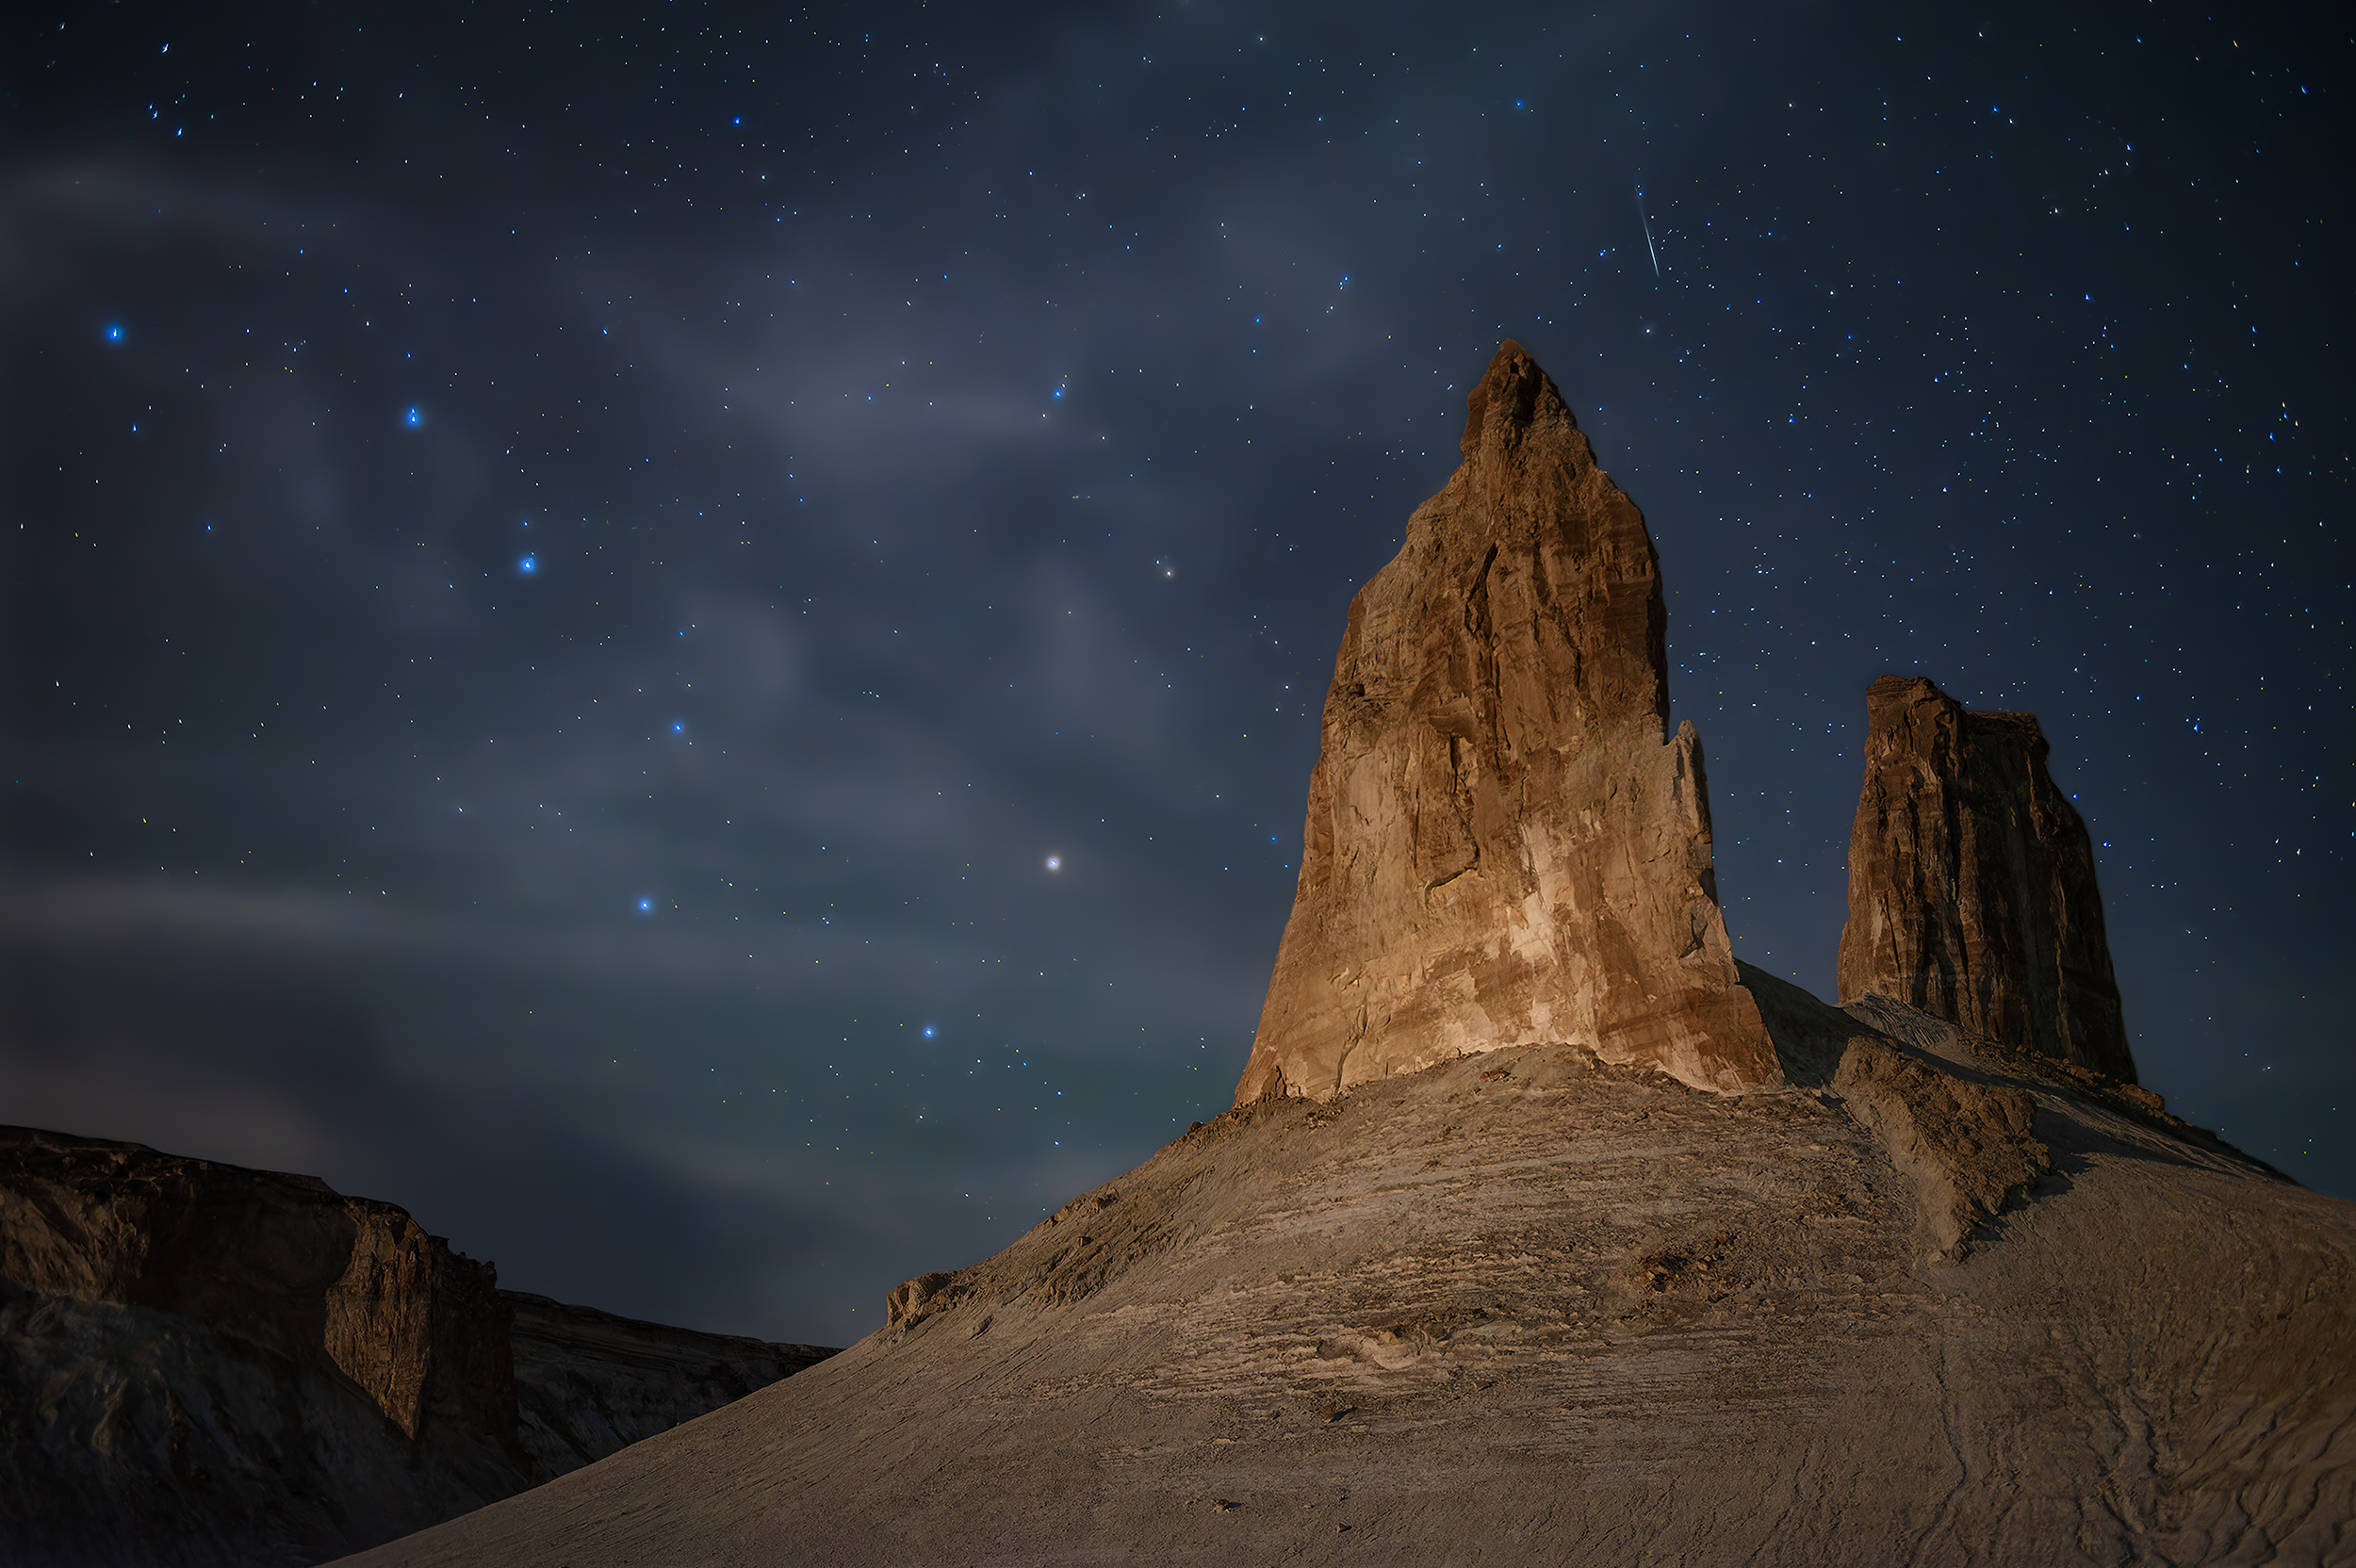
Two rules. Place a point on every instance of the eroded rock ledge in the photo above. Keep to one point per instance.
(206, 1365)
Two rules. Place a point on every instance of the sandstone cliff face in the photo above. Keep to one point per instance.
(208, 1364)
(203, 1365)
(344, 1281)
(1503, 847)
(1972, 886)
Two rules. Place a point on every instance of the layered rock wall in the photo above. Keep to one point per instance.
(205, 1366)
(352, 1283)
(1971, 883)
(1503, 845)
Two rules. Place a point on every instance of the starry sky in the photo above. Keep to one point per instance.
(687, 638)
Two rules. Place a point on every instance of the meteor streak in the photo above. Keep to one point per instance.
(1647, 222)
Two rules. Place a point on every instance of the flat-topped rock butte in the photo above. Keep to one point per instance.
(205, 1366)
(1544, 1231)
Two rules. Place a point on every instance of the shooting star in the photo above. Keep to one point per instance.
(1647, 222)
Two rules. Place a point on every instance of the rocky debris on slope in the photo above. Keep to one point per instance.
(1523, 1308)
(912, 1301)
(1969, 1147)
(1972, 886)
(210, 1365)
(1966, 1144)
(2133, 1100)
(1502, 846)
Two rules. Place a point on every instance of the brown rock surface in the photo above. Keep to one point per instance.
(347, 1282)
(1965, 1142)
(1503, 847)
(206, 1365)
(1533, 1308)
(1972, 885)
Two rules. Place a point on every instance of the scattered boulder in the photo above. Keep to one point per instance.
(910, 1302)
(1504, 846)
(1972, 885)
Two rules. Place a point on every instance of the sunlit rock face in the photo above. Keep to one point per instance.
(1504, 846)
(1971, 887)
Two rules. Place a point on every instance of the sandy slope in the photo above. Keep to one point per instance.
(1524, 1308)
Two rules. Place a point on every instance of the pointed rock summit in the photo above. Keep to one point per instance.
(1924, 1298)
(1503, 846)
(1971, 890)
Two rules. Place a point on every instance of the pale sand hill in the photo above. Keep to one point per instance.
(1524, 1308)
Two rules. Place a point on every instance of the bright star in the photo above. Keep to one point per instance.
(646, 906)
(1055, 863)
(415, 417)
(527, 565)
(114, 332)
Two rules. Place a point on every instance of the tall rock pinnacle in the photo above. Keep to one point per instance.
(1502, 847)
(1972, 890)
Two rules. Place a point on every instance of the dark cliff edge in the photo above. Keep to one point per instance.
(589, 1384)
(202, 1364)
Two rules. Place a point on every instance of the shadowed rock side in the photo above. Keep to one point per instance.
(1965, 1143)
(206, 1365)
(1971, 887)
(1503, 848)
(1528, 1307)
(589, 1384)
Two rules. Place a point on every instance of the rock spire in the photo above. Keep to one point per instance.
(1503, 847)
(1971, 890)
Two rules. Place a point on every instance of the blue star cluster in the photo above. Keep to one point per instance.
(688, 638)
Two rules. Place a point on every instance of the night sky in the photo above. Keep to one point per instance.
(688, 639)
